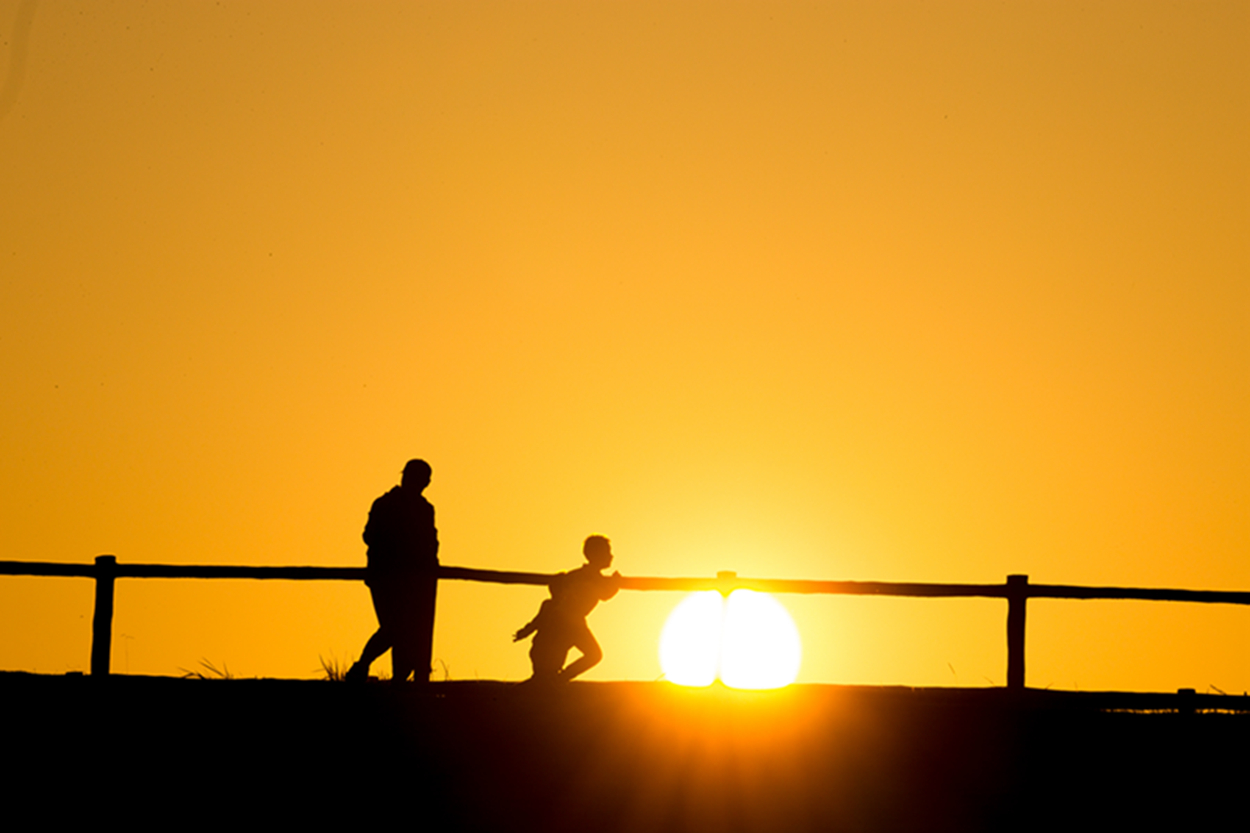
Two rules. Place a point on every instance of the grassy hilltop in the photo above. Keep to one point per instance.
(617, 756)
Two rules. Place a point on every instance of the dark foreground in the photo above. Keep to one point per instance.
(616, 756)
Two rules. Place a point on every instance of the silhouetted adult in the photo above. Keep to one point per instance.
(402, 574)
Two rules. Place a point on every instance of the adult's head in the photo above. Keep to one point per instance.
(598, 551)
(416, 475)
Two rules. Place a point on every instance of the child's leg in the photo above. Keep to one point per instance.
(547, 656)
(591, 656)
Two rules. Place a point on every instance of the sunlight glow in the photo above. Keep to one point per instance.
(749, 641)
(690, 641)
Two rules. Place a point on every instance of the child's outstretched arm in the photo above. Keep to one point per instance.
(526, 631)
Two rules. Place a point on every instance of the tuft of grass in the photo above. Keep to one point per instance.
(214, 673)
(332, 669)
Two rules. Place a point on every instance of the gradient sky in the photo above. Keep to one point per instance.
(849, 290)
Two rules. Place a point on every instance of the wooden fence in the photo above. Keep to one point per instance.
(1017, 591)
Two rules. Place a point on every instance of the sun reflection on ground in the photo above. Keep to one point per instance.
(748, 641)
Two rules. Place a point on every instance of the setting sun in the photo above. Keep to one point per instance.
(748, 640)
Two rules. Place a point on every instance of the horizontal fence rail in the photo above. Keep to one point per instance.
(1017, 591)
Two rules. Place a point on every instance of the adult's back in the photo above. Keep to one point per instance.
(400, 532)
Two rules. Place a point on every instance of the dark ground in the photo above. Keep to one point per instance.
(617, 756)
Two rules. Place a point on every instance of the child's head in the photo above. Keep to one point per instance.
(598, 552)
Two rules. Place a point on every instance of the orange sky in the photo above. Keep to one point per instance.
(884, 291)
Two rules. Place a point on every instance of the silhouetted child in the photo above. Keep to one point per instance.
(561, 621)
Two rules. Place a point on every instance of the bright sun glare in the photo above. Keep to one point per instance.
(748, 640)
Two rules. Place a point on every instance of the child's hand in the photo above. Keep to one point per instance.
(516, 637)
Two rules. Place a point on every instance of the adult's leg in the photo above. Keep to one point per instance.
(377, 645)
(425, 594)
(401, 660)
(412, 637)
(381, 641)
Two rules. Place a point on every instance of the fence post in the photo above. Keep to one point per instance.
(102, 621)
(1017, 598)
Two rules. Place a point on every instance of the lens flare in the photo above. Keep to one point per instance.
(749, 641)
